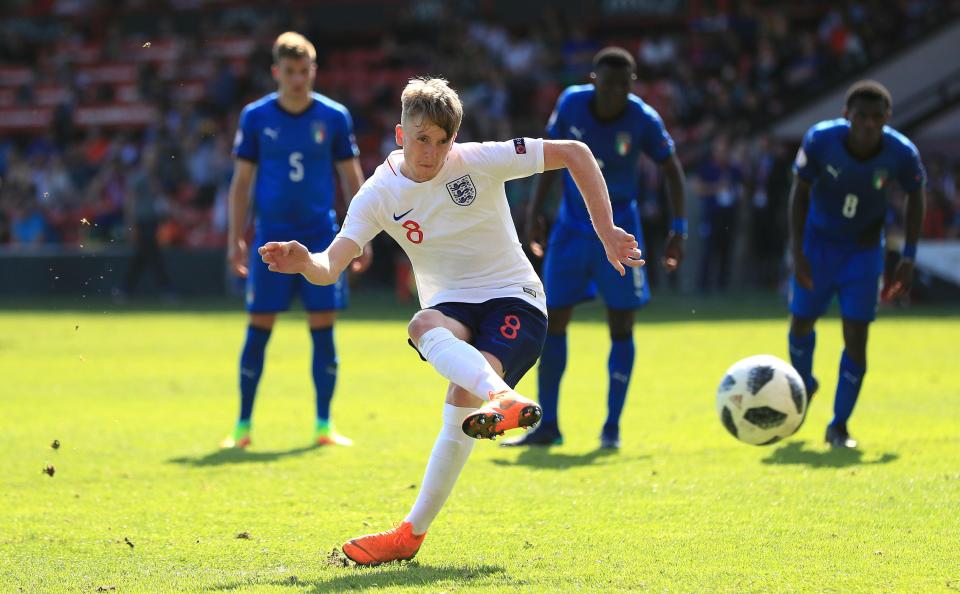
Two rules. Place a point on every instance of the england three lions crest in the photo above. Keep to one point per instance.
(462, 191)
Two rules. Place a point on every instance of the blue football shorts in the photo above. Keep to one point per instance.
(575, 269)
(269, 292)
(853, 275)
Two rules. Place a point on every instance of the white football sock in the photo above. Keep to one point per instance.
(460, 363)
(450, 453)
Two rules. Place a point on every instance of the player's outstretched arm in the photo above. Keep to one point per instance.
(620, 246)
(799, 205)
(323, 268)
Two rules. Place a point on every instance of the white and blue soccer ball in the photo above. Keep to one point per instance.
(761, 400)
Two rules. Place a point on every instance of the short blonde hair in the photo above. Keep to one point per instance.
(434, 100)
(293, 45)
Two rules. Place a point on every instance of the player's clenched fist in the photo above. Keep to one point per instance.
(291, 257)
(622, 249)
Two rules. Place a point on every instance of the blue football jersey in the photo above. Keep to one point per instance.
(848, 197)
(295, 156)
(616, 145)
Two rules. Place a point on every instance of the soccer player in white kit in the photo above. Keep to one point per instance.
(483, 321)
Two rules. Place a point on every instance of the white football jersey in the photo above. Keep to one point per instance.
(456, 228)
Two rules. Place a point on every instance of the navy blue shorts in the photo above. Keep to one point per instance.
(510, 329)
(575, 269)
(269, 292)
(853, 276)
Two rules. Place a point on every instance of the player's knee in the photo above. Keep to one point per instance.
(801, 326)
(324, 319)
(620, 323)
(263, 321)
(422, 322)
(855, 340)
(558, 319)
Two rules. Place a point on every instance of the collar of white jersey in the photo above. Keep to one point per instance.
(396, 157)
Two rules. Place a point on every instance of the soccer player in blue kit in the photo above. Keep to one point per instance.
(838, 204)
(290, 141)
(618, 127)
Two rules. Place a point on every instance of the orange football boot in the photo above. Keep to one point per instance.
(506, 410)
(396, 544)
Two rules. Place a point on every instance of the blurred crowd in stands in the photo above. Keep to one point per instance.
(101, 128)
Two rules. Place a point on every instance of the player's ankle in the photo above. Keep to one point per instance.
(414, 533)
(839, 426)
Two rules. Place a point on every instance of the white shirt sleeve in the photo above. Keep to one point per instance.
(511, 159)
(361, 224)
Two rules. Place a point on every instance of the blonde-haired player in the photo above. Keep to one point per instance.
(483, 320)
(287, 146)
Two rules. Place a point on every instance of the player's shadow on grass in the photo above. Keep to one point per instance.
(389, 576)
(541, 457)
(239, 456)
(793, 453)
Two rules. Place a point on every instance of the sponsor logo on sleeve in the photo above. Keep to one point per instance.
(520, 146)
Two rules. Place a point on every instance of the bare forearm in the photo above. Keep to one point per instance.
(586, 174)
(913, 216)
(541, 190)
(799, 205)
(239, 202)
(324, 268)
(351, 178)
(676, 191)
(320, 271)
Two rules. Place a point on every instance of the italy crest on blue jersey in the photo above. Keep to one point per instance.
(295, 156)
(848, 196)
(616, 144)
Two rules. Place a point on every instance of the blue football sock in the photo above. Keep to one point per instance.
(324, 369)
(553, 361)
(801, 356)
(620, 366)
(848, 388)
(251, 367)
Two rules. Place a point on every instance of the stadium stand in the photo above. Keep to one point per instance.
(89, 87)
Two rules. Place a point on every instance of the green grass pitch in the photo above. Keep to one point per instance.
(142, 500)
